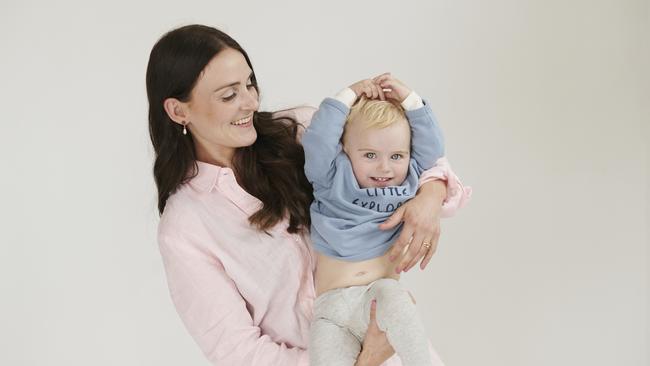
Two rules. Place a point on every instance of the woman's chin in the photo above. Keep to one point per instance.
(249, 138)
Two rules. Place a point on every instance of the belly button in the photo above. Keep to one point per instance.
(361, 273)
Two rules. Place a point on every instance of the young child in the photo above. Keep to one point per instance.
(364, 163)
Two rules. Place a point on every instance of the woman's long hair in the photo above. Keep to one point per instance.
(271, 169)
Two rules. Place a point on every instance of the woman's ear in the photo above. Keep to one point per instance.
(176, 110)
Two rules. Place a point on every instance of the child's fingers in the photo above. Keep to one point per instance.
(389, 95)
(375, 91)
(367, 91)
(382, 76)
(383, 79)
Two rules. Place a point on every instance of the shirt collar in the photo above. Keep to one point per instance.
(208, 176)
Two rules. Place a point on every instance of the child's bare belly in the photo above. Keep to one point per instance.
(332, 273)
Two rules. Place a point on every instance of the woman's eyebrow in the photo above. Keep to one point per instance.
(232, 84)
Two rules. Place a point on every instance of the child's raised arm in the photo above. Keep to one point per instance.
(427, 143)
(322, 139)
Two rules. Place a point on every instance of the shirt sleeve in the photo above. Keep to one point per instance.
(458, 195)
(302, 115)
(214, 312)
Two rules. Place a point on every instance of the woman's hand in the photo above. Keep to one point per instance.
(421, 217)
(375, 349)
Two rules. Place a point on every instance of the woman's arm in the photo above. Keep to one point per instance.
(441, 193)
(214, 312)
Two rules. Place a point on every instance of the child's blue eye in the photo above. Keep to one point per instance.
(370, 155)
(396, 156)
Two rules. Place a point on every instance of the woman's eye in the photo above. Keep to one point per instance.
(229, 97)
(396, 156)
(370, 155)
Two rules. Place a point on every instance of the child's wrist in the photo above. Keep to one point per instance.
(412, 102)
(346, 96)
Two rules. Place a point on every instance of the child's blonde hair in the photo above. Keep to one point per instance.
(374, 113)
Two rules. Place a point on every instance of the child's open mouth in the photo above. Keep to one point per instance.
(380, 179)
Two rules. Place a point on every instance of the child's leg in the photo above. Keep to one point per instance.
(332, 345)
(330, 341)
(398, 317)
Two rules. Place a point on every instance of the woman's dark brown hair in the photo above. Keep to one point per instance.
(271, 169)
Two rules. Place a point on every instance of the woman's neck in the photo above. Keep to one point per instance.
(221, 156)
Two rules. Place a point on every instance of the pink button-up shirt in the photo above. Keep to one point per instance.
(245, 296)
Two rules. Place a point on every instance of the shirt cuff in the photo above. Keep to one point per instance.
(458, 195)
(412, 102)
(346, 96)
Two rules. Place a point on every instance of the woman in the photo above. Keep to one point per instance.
(235, 206)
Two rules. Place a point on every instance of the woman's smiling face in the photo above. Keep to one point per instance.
(221, 106)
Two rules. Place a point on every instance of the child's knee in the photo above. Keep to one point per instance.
(389, 292)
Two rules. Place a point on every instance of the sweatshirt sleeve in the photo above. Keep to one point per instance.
(214, 312)
(427, 143)
(321, 140)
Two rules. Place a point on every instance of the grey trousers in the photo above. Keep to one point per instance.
(341, 318)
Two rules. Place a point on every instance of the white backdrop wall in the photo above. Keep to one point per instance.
(546, 114)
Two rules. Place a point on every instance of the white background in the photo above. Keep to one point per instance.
(545, 107)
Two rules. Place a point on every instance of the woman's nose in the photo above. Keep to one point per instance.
(251, 100)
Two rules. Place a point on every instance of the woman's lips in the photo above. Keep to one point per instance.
(244, 122)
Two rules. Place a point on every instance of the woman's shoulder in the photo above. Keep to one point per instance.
(302, 114)
(185, 212)
(178, 211)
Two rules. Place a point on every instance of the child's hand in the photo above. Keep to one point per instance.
(398, 90)
(368, 88)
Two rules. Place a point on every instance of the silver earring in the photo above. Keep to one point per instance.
(184, 128)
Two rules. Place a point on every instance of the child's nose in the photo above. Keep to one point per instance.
(383, 165)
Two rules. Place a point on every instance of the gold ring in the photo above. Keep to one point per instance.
(426, 245)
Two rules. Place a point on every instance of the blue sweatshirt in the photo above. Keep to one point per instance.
(345, 217)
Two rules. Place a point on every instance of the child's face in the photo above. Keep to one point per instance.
(380, 157)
